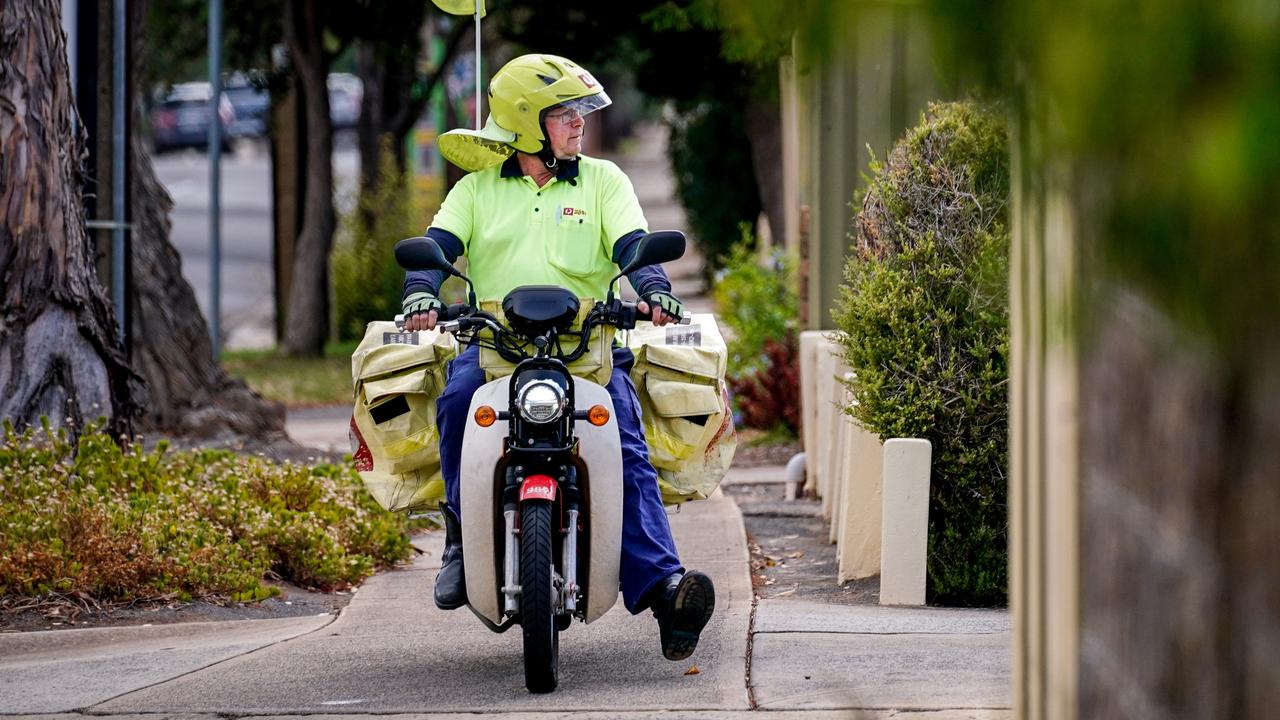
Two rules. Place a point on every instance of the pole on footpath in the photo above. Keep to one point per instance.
(117, 165)
(479, 12)
(215, 176)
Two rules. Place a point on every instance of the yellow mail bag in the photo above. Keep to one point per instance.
(397, 377)
(688, 424)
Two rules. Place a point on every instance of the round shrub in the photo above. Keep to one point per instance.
(924, 323)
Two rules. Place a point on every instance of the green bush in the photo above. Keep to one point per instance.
(367, 282)
(119, 524)
(758, 304)
(711, 159)
(924, 322)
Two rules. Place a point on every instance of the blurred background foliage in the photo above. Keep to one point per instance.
(678, 58)
(756, 302)
(1164, 116)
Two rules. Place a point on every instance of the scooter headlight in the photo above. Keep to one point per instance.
(541, 402)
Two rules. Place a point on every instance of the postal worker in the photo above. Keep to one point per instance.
(549, 215)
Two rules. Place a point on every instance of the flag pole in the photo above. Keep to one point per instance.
(479, 10)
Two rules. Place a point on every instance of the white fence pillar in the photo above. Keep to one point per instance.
(905, 530)
(827, 428)
(809, 342)
(858, 540)
(845, 457)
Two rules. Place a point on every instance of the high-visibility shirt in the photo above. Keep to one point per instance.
(515, 233)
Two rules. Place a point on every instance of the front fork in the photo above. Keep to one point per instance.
(570, 589)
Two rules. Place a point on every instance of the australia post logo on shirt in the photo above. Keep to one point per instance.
(569, 213)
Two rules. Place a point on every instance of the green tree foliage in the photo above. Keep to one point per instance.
(1166, 113)
(178, 38)
(924, 322)
(716, 185)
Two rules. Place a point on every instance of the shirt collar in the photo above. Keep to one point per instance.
(565, 169)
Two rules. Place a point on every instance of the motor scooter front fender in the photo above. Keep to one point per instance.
(600, 450)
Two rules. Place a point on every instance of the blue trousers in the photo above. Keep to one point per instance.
(648, 550)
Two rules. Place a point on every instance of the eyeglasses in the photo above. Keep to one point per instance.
(564, 116)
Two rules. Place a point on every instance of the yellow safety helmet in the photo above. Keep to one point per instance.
(520, 94)
(528, 86)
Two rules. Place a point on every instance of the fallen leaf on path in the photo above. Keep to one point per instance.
(796, 554)
(693, 670)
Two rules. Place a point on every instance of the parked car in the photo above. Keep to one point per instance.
(345, 94)
(181, 118)
(251, 105)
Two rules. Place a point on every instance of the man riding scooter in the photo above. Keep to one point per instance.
(549, 215)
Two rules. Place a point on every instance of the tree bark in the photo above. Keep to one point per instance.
(60, 354)
(308, 309)
(189, 392)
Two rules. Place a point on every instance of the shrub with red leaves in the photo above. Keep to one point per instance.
(771, 396)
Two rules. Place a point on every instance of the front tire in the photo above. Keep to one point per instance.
(537, 612)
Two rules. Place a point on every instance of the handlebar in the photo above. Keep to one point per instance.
(461, 318)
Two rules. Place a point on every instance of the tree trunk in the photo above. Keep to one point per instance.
(370, 126)
(308, 310)
(763, 120)
(60, 355)
(189, 393)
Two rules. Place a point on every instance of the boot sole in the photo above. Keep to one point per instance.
(450, 606)
(694, 602)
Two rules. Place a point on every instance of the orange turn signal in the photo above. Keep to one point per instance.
(598, 415)
(486, 416)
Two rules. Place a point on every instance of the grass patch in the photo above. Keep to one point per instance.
(95, 521)
(296, 382)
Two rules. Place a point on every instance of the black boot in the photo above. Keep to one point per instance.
(683, 605)
(451, 584)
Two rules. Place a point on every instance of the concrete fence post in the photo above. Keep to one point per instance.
(845, 458)
(809, 342)
(827, 429)
(905, 530)
(858, 537)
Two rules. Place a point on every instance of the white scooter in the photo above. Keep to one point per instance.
(541, 475)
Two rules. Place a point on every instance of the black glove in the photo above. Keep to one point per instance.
(420, 303)
(668, 302)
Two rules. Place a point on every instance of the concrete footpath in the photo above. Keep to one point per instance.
(392, 652)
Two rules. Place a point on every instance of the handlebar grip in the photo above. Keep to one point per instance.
(453, 312)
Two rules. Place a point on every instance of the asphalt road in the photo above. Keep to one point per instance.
(248, 301)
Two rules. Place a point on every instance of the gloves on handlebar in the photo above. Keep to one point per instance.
(421, 303)
(668, 302)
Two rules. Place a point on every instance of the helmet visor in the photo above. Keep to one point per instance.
(570, 110)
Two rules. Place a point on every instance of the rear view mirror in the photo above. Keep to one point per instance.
(422, 253)
(656, 248)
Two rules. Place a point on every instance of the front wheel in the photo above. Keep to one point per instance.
(537, 590)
